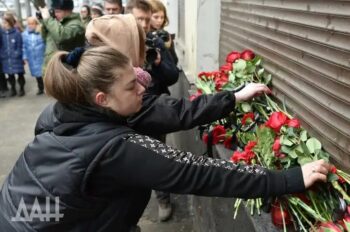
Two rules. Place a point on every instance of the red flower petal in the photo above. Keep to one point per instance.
(247, 55)
(294, 123)
(233, 56)
(276, 121)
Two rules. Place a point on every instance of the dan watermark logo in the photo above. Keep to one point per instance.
(36, 212)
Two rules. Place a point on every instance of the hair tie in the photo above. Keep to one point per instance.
(73, 57)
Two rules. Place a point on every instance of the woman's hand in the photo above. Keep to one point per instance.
(250, 91)
(315, 171)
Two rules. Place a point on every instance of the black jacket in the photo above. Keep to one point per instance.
(102, 171)
(163, 75)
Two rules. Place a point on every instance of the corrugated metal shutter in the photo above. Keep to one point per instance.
(306, 47)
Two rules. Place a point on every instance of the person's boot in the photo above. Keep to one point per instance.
(40, 91)
(21, 92)
(21, 82)
(40, 85)
(2, 94)
(164, 211)
(12, 82)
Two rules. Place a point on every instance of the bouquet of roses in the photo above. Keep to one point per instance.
(263, 133)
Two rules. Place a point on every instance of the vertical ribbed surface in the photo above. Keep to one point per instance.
(306, 47)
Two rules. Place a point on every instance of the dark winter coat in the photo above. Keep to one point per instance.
(165, 74)
(11, 51)
(103, 171)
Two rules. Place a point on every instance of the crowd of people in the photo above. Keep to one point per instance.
(100, 148)
(59, 28)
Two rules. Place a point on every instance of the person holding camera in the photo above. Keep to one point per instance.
(62, 29)
(159, 20)
(159, 62)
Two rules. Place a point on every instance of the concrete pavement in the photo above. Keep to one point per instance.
(17, 120)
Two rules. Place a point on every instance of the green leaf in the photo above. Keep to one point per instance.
(258, 62)
(240, 65)
(287, 142)
(268, 79)
(231, 77)
(305, 149)
(246, 107)
(250, 67)
(313, 144)
(286, 150)
(303, 160)
(303, 135)
(293, 154)
(261, 71)
(324, 155)
(332, 177)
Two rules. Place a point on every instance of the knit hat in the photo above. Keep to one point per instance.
(62, 4)
(143, 77)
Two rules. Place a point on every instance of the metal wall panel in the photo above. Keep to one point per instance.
(306, 47)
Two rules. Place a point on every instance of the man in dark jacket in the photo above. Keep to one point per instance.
(63, 30)
(162, 69)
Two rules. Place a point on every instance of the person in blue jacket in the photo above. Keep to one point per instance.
(11, 54)
(34, 51)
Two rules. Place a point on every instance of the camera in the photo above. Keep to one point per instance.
(38, 3)
(154, 40)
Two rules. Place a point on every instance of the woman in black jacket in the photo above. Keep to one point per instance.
(86, 170)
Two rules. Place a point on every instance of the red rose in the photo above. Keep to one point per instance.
(205, 138)
(218, 133)
(294, 123)
(247, 55)
(276, 121)
(278, 215)
(226, 67)
(250, 145)
(333, 169)
(247, 116)
(202, 75)
(232, 57)
(228, 143)
(239, 156)
(220, 82)
(276, 145)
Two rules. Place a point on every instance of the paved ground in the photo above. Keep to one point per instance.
(17, 119)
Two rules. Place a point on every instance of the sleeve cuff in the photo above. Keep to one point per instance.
(287, 181)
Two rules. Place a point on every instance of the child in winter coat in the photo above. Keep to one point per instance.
(34, 51)
(11, 54)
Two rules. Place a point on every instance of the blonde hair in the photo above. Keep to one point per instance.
(34, 19)
(98, 69)
(159, 6)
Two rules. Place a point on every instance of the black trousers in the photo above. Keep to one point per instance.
(21, 81)
(3, 82)
(40, 83)
(162, 197)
